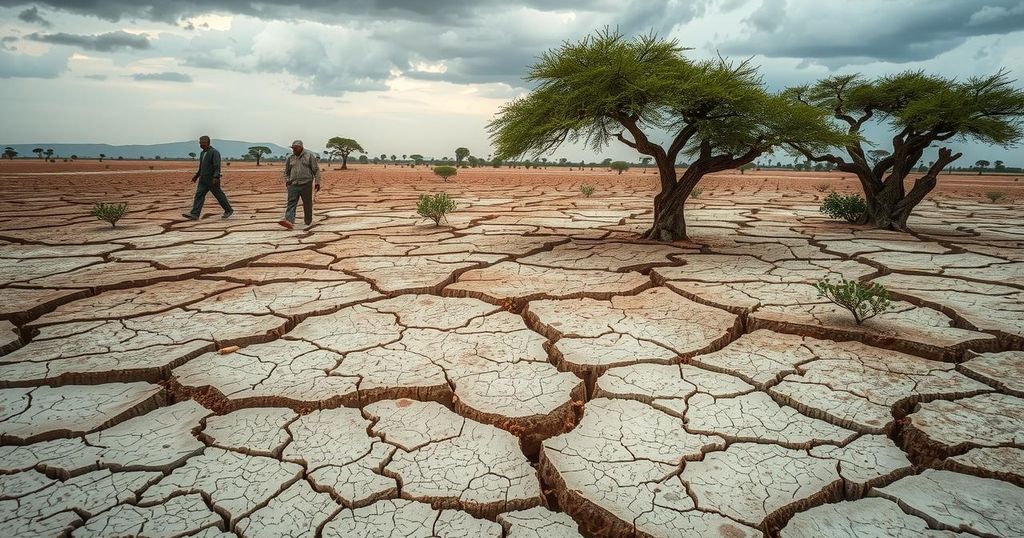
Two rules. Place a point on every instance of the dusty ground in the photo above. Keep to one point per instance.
(528, 369)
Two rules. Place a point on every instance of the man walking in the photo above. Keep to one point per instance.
(207, 179)
(301, 177)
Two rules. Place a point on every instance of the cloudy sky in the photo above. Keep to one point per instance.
(425, 76)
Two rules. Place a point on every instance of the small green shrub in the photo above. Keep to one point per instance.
(619, 166)
(864, 301)
(823, 187)
(109, 212)
(696, 192)
(587, 190)
(849, 208)
(445, 172)
(435, 207)
(995, 196)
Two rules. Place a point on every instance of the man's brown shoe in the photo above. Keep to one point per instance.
(287, 225)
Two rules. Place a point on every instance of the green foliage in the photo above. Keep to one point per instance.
(587, 190)
(496, 162)
(748, 166)
(619, 166)
(987, 109)
(589, 90)
(10, 153)
(344, 147)
(416, 158)
(849, 208)
(435, 207)
(696, 192)
(445, 172)
(995, 196)
(109, 212)
(823, 187)
(864, 301)
(461, 153)
(256, 152)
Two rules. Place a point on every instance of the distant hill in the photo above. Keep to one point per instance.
(173, 150)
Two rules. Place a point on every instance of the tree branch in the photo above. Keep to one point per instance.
(679, 142)
(625, 141)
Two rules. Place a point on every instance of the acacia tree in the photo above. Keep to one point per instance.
(49, 153)
(877, 155)
(10, 153)
(257, 152)
(982, 164)
(39, 152)
(343, 147)
(607, 87)
(921, 110)
(460, 153)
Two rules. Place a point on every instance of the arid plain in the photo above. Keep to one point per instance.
(527, 369)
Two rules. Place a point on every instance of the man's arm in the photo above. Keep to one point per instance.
(316, 169)
(215, 163)
(287, 168)
(200, 167)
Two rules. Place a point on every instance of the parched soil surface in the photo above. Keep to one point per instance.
(527, 369)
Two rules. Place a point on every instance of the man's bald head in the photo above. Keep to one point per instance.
(204, 141)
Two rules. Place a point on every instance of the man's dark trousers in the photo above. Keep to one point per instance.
(205, 185)
(305, 191)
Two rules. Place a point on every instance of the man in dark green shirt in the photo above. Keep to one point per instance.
(207, 179)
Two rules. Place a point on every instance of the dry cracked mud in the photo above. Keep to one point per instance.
(529, 369)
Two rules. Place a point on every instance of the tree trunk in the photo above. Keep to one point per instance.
(669, 220)
(891, 207)
(344, 161)
(882, 211)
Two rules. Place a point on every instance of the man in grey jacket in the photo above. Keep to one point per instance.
(207, 179)
(301, 178)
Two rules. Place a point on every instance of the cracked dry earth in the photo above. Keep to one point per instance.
(528, 370)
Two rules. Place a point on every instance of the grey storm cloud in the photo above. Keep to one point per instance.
(330, 59)
(359, 48)
(872, 30)
(32, 16)
(167, 76)
(170, 11)
(108, 42)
